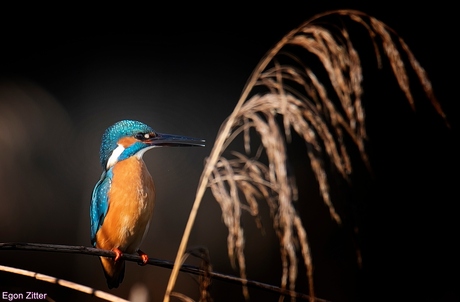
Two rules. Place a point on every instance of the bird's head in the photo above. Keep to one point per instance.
(132, 138)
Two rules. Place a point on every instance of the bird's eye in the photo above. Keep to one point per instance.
(143, 136)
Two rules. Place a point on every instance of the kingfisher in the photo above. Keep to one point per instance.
(123, 199)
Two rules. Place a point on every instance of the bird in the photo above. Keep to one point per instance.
(123, 199)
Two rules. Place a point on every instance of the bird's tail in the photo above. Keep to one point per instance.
(114, 271)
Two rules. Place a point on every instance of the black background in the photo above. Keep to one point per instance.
(67, 73)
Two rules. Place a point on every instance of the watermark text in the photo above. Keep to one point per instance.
(23, 296)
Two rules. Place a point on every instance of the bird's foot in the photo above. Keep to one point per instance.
(118, 254)
(144, 257)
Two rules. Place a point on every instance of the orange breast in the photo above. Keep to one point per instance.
(131, 202)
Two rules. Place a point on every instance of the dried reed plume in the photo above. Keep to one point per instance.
(284, 94)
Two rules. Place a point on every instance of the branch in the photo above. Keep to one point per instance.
(58, 248)
(64, 283)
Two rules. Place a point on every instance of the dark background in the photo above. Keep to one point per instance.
(67, 73)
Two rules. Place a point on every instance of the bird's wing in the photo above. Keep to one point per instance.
(99, 203)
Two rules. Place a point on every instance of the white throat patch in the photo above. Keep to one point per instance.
(113, 159)
(142, 151)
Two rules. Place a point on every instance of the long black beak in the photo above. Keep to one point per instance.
(171, 140)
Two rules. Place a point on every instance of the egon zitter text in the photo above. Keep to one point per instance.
(23, 296)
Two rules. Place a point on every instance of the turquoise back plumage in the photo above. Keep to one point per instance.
(99, 203)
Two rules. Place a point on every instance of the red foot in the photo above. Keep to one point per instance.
(118, 254)
(144, 257)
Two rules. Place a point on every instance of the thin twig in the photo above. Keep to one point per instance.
(59, 248)
(64, 283)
